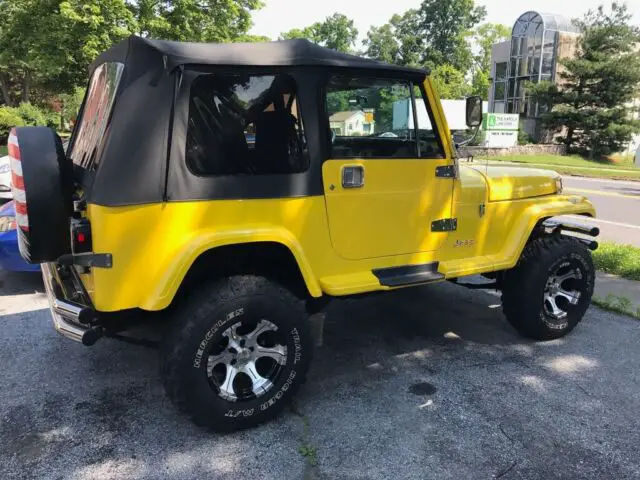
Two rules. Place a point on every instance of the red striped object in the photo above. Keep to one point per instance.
(17, 182)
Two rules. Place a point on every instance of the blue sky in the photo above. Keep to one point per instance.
(282, 15)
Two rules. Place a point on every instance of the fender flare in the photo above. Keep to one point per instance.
(168, 284)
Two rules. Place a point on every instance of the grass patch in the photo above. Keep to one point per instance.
(622, 159)
(618, 304)
(3, 150)
(575, 165)
(621, 260)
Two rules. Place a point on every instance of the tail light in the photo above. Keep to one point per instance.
(81, 236)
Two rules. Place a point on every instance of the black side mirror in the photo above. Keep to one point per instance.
(474, 111)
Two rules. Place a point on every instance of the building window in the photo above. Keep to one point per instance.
(245, 125)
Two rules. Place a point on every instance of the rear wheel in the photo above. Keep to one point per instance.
(548, 292)
(236, 353)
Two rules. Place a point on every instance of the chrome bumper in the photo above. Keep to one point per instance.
(70, 319)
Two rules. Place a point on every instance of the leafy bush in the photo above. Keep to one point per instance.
(32, 115)
(9, 118)
(25, 115)
(524, 138)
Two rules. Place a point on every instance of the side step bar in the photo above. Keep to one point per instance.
(408, 275)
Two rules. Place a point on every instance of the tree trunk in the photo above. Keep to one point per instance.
(569, 138)
(26, 87)
(4, 88)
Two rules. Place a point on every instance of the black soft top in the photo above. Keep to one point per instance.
(142, 156)
(297, 52)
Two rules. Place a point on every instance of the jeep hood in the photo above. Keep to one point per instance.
(511, 183)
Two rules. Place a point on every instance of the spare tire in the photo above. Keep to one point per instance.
(42, 188)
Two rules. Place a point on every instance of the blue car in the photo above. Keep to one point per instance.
(10, 258)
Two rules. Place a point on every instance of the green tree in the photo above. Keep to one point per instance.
(307, 33)
(590, 103)
(398, 41)
(450, 82)
(437, 33)
(337, 32)
(193, 20)
(445, 26)
(48, 44)
(484, 37)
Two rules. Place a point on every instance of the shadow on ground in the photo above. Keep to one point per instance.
(420, 383)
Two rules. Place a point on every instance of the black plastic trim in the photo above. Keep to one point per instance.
(98, 260)
(408, 274)
(444, 225)
(446, 171)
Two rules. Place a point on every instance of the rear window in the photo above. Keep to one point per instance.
(89, 134)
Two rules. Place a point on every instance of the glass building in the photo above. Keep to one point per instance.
(537, 41)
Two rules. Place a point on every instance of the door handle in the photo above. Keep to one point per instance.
(353, 176)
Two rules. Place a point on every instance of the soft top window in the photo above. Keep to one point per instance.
(245, 124)
(374, 118)
(89, 133)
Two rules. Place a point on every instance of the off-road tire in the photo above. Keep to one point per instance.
(523, 290)
(200, 322)
(42, 190)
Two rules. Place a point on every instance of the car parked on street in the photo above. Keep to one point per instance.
(5, 179)
(10, 258)
(205, 181)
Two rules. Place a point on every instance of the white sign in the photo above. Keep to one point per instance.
(501, 139)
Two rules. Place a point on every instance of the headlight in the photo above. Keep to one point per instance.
(559, 185)
(7, 223)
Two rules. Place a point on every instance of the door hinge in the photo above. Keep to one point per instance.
(446, 171)
(444, 225)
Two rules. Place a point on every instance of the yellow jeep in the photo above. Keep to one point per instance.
(238, 187)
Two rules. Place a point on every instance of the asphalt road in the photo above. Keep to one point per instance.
(617, 205)
(421, 383)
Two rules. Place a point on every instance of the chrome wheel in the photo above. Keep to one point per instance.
(248, 361)
(562, 291)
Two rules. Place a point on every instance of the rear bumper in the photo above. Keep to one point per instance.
(71, 310)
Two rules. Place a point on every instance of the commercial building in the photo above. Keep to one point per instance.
(538, 41)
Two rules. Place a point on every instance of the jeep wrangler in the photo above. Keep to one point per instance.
(238, 187)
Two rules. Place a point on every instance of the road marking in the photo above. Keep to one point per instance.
(600, 192)
(597, 220)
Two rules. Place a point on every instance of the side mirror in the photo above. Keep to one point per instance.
(474, 111)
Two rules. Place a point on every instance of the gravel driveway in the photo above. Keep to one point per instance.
(421, 383)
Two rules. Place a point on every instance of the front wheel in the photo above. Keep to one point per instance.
(236, 353)
(548, 292)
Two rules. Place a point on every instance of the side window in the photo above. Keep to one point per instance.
(245, 125)
(89, 134)
(370, 117)
(429, 143)
(374, 118)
